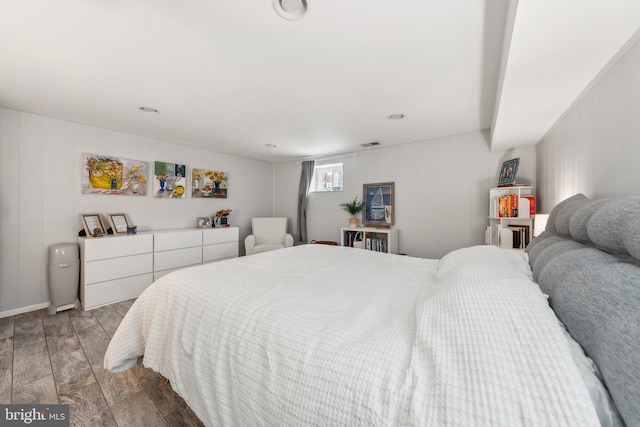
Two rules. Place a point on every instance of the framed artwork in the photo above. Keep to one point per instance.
(204, 222)
(113, 175)
(93, 225)
(508, 172)
(378, 204)
(118, 223)
(169, 180)
(207, 183)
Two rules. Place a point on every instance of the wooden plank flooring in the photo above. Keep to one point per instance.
(58, 359)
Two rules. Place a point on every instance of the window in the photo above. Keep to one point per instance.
(327, 178)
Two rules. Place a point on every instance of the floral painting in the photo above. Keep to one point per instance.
(113, 175)
(208, 183)
(169, 180)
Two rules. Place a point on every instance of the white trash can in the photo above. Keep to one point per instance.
(64, 276)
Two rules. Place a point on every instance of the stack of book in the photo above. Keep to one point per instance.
(376, 244)
(513, 236)
(512, 206)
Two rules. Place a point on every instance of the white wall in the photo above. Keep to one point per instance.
(595, 148)
(41, 195)
(441, 191)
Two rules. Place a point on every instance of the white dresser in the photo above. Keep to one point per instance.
(219, 243)
(114, 268)
(117, 268)
(176, 249)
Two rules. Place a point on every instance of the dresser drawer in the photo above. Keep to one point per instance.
(219, 251)
(114, 290)
(116, 246)
(169, 240)
(220, 235)
(114, 268)
(177, 258)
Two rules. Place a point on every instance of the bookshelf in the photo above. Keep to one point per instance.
(370, 238)
(511, 214)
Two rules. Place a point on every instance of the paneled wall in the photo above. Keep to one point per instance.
(41, 195)
(595, 148)
(441, 190)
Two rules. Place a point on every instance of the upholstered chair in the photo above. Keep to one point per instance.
(267, 234)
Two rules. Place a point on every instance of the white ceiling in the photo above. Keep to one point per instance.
(234, 76)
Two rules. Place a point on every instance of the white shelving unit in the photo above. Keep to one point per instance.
(374, 239)
(498, 232)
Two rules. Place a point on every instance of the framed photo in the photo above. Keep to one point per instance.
(118, 223)
(93, 225)
(113, 175)
(204, 222)
(378, 204)
(508, 172)
(170, 181)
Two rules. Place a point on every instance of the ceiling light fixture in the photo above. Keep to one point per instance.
(149, 110)
(396, 117)
(291, 10)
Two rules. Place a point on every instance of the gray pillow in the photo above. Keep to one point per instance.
(631, 236)
(538, 239)
(607, 224)
(549, 253)
(597, 298)
(580, 219)
(551, 221)
(566, 212)
(541, 245)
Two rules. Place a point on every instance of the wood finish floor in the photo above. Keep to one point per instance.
(58, 359)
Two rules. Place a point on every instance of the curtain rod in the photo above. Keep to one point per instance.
(338, 156)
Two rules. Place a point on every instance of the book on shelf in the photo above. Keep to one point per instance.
(521, 236)
(512, 206)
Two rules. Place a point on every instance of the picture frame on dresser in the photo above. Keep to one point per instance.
(93, 225)
(204, 222)
(119, 223)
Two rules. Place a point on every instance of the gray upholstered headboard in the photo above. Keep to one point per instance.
(588, 262)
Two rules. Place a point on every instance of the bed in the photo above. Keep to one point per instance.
(326, 335)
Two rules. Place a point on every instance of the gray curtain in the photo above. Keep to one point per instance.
(303, 199)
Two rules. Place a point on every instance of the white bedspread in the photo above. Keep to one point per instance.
(328, 336)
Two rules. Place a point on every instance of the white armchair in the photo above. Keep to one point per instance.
(267, 234)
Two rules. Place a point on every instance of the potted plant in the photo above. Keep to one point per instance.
(353, 208)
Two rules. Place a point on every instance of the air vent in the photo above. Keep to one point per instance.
(370, 144)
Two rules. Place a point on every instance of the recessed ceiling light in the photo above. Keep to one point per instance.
(149, 110)
(292, 10)
(396, 117)
(270, 145)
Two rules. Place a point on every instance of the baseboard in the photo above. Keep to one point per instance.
(24, 309)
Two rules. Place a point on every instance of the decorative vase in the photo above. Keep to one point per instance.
(353, 222)
(135, 187)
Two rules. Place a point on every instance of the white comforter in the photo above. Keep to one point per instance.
(328, 336)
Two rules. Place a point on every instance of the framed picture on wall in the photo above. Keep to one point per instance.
(378, 204)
